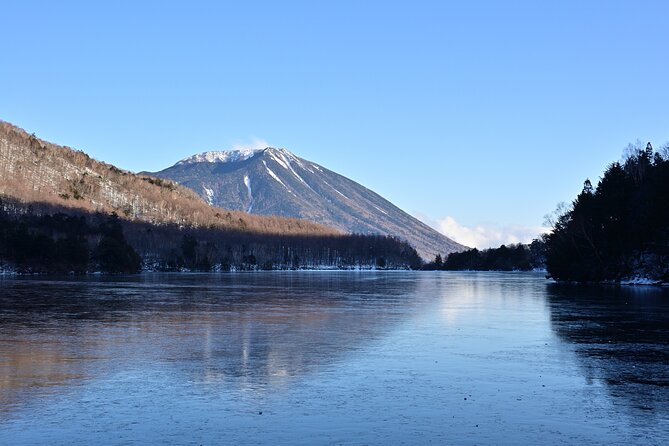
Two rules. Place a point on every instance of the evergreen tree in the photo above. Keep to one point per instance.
(189, 250)
(113, 253)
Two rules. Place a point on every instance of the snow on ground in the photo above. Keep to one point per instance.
(639, 280)
(6, 269)
(221, 156)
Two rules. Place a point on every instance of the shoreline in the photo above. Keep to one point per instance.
(630, 282)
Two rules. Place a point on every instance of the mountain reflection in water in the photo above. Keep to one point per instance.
(256, 331)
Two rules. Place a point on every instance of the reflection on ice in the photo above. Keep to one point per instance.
(331, 357)
(257, 334)
(621, 337)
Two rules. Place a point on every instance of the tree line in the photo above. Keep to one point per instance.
(515, 257)
(619, 229)
(43, 238)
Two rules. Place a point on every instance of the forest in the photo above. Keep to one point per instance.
(618, 230)
(517, 257)
(43, 238)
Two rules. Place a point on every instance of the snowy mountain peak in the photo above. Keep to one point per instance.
(230, 156)
(222, 156)
(278, 150)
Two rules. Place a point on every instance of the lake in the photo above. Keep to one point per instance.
(331, 358)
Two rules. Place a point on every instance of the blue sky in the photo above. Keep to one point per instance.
(479, 117)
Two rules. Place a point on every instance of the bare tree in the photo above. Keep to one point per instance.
(551, 220)
(664, 151)
(633, 149)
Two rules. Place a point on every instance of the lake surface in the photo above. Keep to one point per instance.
(332, 358)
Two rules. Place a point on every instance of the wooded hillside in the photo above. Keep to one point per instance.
(36, 171)
(618, 230)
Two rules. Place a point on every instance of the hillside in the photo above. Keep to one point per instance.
(36, 171)
(276, 182)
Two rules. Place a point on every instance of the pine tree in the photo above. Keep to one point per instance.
(587, 186)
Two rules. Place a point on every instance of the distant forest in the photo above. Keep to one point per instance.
(618, 230)
(42, 238)
(516, 257)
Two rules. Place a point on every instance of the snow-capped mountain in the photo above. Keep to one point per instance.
(276, 182)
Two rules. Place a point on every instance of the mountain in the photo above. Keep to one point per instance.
(276, 182)
(38, 172)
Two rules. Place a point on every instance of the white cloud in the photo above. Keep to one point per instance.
(255, 144)
(484, 236)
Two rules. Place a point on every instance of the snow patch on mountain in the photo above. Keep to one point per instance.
(341, 194)
(290, 167)
(275, 176)
(300, 178)
(247, 182)
(279, 159)
(335, 189)
(209, 193)
(285, 159)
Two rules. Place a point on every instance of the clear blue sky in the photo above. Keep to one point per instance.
(487, 112)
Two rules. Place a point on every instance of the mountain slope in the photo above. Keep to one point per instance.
(276, 182)
(38, 172)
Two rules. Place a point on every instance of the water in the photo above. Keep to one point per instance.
(332, 358)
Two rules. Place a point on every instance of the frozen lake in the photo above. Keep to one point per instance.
(332, 358)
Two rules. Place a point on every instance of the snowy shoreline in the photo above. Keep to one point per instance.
(635, 281)
(8, 271)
